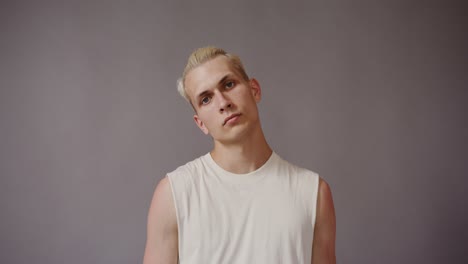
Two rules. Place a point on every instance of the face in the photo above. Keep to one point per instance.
(225, 103)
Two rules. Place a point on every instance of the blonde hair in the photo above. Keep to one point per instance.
(202, 55)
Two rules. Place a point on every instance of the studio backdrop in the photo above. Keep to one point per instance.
(372, 95)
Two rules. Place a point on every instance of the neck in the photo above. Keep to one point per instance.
(244, 156)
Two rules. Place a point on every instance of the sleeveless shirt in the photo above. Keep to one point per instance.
(265, 216)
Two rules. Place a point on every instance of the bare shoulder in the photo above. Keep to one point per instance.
(162, 197)
(162, 233)
(162, 210)
(323, 250)
(325, 206)
(324, 194)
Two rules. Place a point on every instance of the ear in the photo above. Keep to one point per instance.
(256, 89)
(200, 124)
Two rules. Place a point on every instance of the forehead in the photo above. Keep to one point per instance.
(207, 75)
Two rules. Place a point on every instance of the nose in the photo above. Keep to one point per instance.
(224, 102)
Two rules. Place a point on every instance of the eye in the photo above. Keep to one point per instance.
(229, 84)
(205, 100)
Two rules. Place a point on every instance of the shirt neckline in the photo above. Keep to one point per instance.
(237, 178)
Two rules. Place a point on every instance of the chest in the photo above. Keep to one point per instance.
(225, 221)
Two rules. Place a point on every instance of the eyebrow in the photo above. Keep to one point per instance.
(202, 94)
(221, 81)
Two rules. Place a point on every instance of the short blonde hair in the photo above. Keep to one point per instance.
(202, 55)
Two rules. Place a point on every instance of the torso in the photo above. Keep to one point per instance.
(266, 216)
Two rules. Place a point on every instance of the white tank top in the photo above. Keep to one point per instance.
(265, 216)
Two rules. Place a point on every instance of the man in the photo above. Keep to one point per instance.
(240, 203)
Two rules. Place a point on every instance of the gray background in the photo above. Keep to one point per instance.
(370, 94)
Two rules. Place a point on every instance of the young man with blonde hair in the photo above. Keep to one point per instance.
(241, 202)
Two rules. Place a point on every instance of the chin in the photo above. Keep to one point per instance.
(235, 137)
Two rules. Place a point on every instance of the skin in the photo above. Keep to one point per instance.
(217, 92)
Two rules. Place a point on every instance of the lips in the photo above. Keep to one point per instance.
(230, 117)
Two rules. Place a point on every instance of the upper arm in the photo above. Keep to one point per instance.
(323, 250)
(162, 234)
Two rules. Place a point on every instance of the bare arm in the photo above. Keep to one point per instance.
(323, 250)
(162, 241)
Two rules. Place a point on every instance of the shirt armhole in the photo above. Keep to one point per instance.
(173, 191)
(315, 187)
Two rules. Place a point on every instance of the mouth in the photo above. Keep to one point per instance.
(229, 118)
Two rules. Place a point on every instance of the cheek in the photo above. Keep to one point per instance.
(207, 119)
(248, 100)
